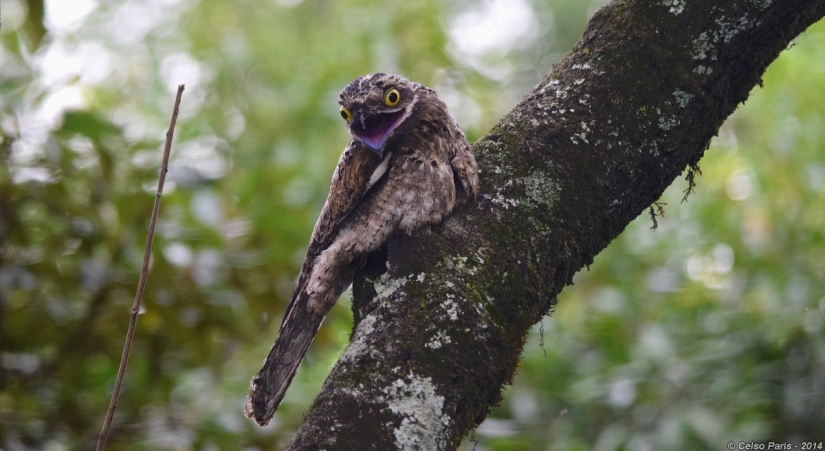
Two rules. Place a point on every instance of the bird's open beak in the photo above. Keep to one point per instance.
(374, 129)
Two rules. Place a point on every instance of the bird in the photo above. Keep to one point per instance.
(405, 168)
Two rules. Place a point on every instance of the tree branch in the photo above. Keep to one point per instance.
(440, 320)
(144, 274)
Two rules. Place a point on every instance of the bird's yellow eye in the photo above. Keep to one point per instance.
(345, 113)
(392, 98)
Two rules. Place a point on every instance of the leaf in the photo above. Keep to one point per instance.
(86, 123)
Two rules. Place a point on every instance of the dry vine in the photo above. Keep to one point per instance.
(144, 273)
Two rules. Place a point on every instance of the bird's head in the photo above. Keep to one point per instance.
(375, 105)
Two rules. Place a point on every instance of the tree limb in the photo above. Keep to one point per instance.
(440, 320)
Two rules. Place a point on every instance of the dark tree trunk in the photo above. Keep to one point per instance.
(440, 319)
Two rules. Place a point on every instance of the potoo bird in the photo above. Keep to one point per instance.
(406, 167)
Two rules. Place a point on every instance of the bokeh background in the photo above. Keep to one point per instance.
(707, 330)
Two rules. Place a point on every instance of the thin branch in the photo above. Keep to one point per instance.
(144, 273)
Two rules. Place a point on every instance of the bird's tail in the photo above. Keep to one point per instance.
(269, 385)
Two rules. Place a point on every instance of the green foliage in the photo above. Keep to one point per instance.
(707, 330)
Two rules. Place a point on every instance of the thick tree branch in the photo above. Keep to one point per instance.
(441, 319)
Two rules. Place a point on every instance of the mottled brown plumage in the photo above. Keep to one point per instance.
(407, 166)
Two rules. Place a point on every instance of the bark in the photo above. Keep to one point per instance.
(440, 319)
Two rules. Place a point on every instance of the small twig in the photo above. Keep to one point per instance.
(144, 273)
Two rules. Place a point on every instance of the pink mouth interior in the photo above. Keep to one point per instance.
(373, 130)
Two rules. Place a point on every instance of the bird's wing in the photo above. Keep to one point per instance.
(465, 169)
(352, 179)
(358, 170)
